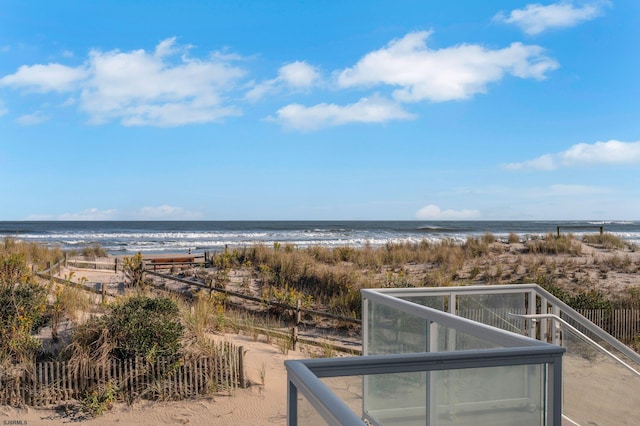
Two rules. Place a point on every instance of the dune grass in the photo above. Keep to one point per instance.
(606, 240)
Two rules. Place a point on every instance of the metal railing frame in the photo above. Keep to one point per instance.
(304, 375)
(563, 324)
(548, 302)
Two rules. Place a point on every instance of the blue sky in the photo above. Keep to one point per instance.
(218, 110)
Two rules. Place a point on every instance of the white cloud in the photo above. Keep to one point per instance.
(367, 110)
(165, 212)
(296, 76)
(612, 152)
(433, 212)
(32, 119)
(165, 87)
(45, 78)
(89, 214)
(536, 18)
(141, 88)
(452, 73)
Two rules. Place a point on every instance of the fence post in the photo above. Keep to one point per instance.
(241, 377)
(65, 259)
(104, 293)
(294, 337)
(115, 268)
(294, 331)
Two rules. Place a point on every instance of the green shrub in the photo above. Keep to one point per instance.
(139, 326)
(142, 325)
(592, 299)
(133, 268)
(99, 400)
(22, 304)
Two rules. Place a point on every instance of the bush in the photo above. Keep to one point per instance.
(133, 268)
(143, 326)
(22, 304)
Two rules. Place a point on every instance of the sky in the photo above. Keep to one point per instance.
(319, 110)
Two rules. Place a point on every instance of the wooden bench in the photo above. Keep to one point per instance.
(172, 259)
(601, 228)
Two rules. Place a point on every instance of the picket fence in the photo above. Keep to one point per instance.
(56, 382)
(623, 324)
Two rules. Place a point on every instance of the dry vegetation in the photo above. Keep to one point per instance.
(592, 273)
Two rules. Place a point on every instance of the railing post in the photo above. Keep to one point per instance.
(556, 328)
(554, 394)
(292, 404)
(532, 310)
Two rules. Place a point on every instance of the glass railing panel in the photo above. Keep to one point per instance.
(396, 399)
(348, 389)
(307, 414)
(490, 396)
(435, 302)
(478, 396)
(447, 339)
(597, 389)
(391, 331)
(494, 309)
(592, 335)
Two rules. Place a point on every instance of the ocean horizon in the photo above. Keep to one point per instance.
(153, 237)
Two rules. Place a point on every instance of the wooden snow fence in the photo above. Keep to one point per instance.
(623, 324)
(56, 382)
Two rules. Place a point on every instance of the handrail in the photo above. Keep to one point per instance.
(589, 325)
(518, 288)
(580, 334)
(332, 409)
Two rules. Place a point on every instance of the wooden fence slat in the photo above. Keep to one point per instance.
(53, 382)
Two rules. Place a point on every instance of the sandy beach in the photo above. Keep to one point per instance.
(263, 402)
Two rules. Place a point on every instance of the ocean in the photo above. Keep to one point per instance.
(119, 237)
